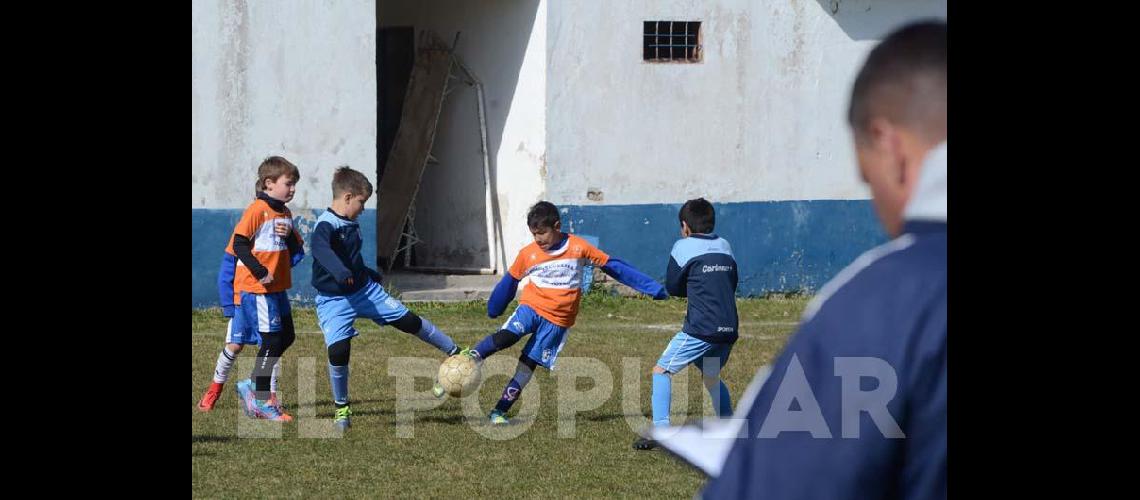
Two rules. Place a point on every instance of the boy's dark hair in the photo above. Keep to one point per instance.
(904, 80)
(272, 168)
(542, 214)
(699, 215)
(347, 180)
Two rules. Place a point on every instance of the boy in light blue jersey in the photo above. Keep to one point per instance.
(702, 268)
(347, 289)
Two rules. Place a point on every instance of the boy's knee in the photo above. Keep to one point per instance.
(524, 360)
(339, 352)
(288, 332)
(504, 339)
(408, 323)
(273, 343)
(234, 348)
(658, 369)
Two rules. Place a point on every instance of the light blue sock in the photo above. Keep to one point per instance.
(662, 394)
(434, 336)
(722, 402)
(338, 375)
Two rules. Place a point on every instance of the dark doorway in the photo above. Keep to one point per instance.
(395, 54)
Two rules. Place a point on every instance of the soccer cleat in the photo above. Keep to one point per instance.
(263, 410)
(644, 444)
(254, 408)
(497, 418)
(244, 391)
(210, 398)
(437, 390)
(273, 400)
(276, 403)
(473, 354)
(343, 418)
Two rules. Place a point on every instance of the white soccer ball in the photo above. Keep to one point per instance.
(459, 375)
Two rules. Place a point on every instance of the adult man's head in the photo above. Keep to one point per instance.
(898, 114)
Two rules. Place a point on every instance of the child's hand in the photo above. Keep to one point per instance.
(267, 279)
(281, 229)
(348, 282)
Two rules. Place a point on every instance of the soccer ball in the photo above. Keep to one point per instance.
(459, 375)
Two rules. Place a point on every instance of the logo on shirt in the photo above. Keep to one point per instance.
(715, 268)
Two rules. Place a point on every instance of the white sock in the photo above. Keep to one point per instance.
(273, 377)
(225, 362)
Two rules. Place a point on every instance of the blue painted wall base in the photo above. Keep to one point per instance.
(211, 230)
(780, 246)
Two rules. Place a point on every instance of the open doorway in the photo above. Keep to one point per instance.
(395, 53)
(455, 217)
(404, 192)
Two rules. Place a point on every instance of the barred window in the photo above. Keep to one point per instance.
(671, 41)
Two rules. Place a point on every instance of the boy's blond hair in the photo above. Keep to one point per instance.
(272, 169)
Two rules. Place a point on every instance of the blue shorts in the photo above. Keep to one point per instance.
(265, 312)
(548, 338)
(237, 332)
(685, 349)
(336, 313)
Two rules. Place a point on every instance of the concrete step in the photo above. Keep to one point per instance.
(422, 281)
(420, 287)
(444, 295)
(425, 287)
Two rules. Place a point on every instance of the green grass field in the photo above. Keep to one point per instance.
(451, 455)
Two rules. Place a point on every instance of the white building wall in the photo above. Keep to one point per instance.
(761, 118)
(295, 78)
